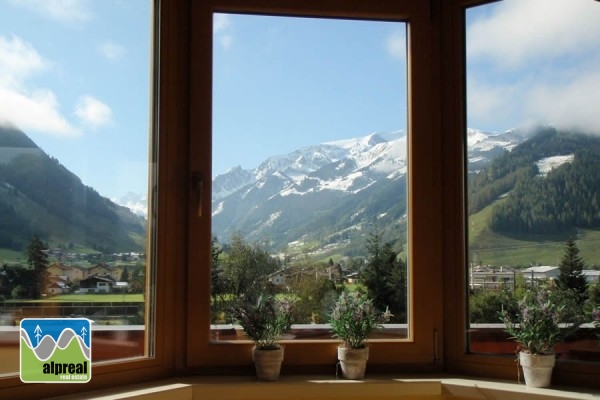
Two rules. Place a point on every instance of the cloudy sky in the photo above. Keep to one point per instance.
(534, 61)
(74, 76)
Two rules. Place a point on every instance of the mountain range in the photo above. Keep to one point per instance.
(318, 198)
(39, 196)
(325, 195)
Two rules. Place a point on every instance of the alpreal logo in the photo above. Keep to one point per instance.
(56, 350)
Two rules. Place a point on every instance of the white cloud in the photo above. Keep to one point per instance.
(93, 112)
(37, 111)
(18, 60)
(395, 45)
(489, 104)
(221, 30)
(221, 22)
(29, 109)
(573, 104)
(58, 10)
(519, 31)
(226, 41)
(111, 51)
(535, 61)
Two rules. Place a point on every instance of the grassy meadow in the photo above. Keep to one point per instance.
(491, 248)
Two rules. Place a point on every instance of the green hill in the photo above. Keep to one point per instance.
(492, 248)
(519, 216)
(39, 196)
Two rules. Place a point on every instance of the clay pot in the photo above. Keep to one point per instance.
(537, 368)
(267, 363)
(353, 362)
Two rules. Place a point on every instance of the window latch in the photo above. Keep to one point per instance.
(198, 186)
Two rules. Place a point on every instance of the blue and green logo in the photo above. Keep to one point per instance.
(56, 350)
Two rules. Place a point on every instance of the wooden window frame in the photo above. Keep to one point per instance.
(454, 112)
(424, 154)
(182, 115)
(166, 317)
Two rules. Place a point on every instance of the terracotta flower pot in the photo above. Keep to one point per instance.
(353, 362)
(267, 363)
(537, 368)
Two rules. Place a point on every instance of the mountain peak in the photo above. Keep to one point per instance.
(13, 137)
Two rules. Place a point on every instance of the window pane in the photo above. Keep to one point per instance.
(309, 166)
(74, 145)
(534, 163)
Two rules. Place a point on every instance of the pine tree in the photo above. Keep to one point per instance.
(38, 260)
(385, 277)
(571, 277)
(125, 275)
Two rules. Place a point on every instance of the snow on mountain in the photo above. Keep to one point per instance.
(137, 203)
(483, 146)
(547, 164)
(349, 165)
(375, 150)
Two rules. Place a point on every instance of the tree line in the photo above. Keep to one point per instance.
(570, 290)
(567, 197)
(241, 269)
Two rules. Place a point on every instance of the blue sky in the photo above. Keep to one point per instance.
(74, 75)
(284, 83)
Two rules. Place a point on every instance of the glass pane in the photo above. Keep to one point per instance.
(534, 167)
(309, 167)
(74, 145)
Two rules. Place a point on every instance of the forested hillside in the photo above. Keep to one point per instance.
(567, 197)
(39, 196)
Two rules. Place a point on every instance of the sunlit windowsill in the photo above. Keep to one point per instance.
(323, 388)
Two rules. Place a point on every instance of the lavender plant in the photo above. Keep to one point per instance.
(541, 322)
(354, 317)
(265, 319)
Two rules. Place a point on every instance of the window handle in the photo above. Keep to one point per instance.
(198, 186)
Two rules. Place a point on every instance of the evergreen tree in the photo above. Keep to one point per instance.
(125, 275)
(385, 277)
(571, 277)
(38, 260)
(246, 267)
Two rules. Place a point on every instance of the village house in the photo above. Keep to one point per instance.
(97, 284)
(105, 269)
(484, 278)
(540, 273)
(591, 276)
(73, 272)
(56, 285)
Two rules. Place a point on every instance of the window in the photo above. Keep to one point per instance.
(527, 201)
(524, 130)
(74, 171)
(436, 124)
(86, 81)
(211, 125)
(309, 166)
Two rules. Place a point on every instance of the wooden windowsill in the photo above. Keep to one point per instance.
(312, 387)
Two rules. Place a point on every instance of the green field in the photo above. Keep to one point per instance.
(491, 248)
(10, 256)
(99, 298)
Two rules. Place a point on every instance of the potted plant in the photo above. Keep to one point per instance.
(544, 318)
(352, 320)
(265, 319)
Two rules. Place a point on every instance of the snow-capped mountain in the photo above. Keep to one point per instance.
(327, 189)
(484, 146)
(137, 203)
(345, 183)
